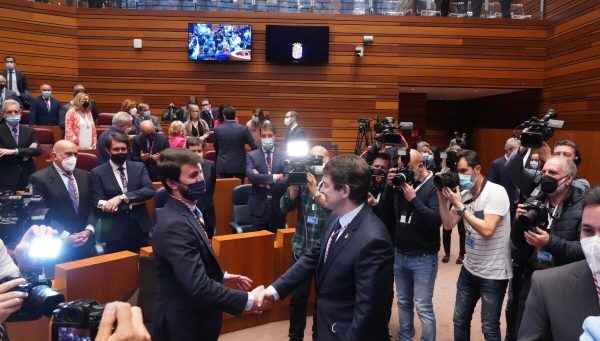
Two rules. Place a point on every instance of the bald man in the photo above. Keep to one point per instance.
(6, 93)
(417, 243)
(313, 213)
(146, 147)
(66, 192)
(43, 110)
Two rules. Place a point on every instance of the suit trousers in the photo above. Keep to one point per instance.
(298, 302)
(133, 239)
(270, 220)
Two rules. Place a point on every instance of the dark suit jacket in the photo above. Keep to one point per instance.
(140, 145)
(49, 183)
(9, 94)
(230, 140)
(353, 285)
(39, 114)
(297, 134)
(559, 300)
(112, 226)
(16, 169)
(191, 297)
(22, 85)
(206, 203)
(258, 196)
(498, 174)
(210, 120)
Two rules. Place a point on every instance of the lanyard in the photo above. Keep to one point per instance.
(424, 181)
(552, 216)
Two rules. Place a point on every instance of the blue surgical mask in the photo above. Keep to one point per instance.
(13, 120)
(267, 144)
(465, 181)
(194, 191)
(147, 115)
(46, 94)
(534, 164)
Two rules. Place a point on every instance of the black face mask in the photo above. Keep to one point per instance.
(119, 158)
(86, 104)
(549, 184)
(2, 86)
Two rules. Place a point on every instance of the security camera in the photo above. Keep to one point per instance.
(359, 51)
(368, 40)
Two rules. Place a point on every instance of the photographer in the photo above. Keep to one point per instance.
(417, 242)
(537, 247)
(313, 213)
(527, 180)
(379, 147)
(484, 207)
(379, 172)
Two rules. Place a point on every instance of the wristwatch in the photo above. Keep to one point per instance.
(461, 212)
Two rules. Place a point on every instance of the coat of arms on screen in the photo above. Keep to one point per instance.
(297, 50)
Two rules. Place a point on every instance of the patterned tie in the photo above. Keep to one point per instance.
(123, 178)
(48, 103)
(332, 238)
(269, 162)
(200, 221)
(15, 133)
(72, 188)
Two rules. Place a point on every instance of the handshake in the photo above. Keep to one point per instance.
(263, 298)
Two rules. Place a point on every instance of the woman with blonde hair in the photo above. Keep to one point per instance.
(195, 126)
(79, 123)
(176, 135)
(255, 123)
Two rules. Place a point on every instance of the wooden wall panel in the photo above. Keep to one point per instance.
(408, 51)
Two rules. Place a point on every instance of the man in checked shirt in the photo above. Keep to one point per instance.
(312, 216)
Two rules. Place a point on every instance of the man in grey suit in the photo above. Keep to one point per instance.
(6, 93)
(229, 142)
(561, 298)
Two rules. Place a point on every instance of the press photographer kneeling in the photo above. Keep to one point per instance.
(546, 229)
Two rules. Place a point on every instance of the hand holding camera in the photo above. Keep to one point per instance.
(129, 321)
(11, 301)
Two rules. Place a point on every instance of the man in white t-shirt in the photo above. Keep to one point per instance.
(484, 208)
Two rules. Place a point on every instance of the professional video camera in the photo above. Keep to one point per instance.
(450, 177)
(540, 129)
(385, 130)
(41, 299)
(404, 175)
(76, 320)
(536, 215)
(300, 163)
(18, 212)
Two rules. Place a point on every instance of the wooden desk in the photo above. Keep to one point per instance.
(223, 204)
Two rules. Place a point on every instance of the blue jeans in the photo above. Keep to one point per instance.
(415, 279)
(469, 290)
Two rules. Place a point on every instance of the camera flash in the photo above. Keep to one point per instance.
(45, 248)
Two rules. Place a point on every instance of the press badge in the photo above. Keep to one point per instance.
(544, 257)
(403, 219)
(470, 242)
(312, 220)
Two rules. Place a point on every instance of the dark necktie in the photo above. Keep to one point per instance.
(72, 188)
(10, 77)
(333, 237)
(48, 103)
(150, 144)
(123, 178)
(269, 162)
(15, 133)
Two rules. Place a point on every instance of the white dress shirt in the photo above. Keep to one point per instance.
(345, 220)
(65, 179)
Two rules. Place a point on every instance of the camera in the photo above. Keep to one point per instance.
(76, 320)
(403, 175)
(536, 216)
(450, 177)
(18, 212)
(540, 129)
(41, 299)
(378, 180)
(359, 51)
(299, 167)
(386, 130)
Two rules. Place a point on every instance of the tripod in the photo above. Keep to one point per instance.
(364, 135)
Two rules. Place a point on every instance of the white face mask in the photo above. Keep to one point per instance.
(255, 119)
(317, 170)
(133, 111)
(68, 163)
(287, 121)
(591, 250)
(10, 66)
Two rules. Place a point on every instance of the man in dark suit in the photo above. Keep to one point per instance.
(295, 133)
(43, 110)
(147, 146)
(121, 123)
(353, 260)
(499, 175)
(16, 81)
(66, 192)
(209, 171)
(562, 298)
(208, 113)
(120, 189)
(191, 295)
(265, 168)
(229, 141)
(18, 145)
(62, 112)
(6, 93)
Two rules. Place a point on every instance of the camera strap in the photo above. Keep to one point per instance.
(478, 193)
(429, 176)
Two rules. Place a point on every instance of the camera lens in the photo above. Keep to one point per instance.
(44, 299)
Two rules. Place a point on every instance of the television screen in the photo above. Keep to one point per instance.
(297, 44)
(220, 42)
